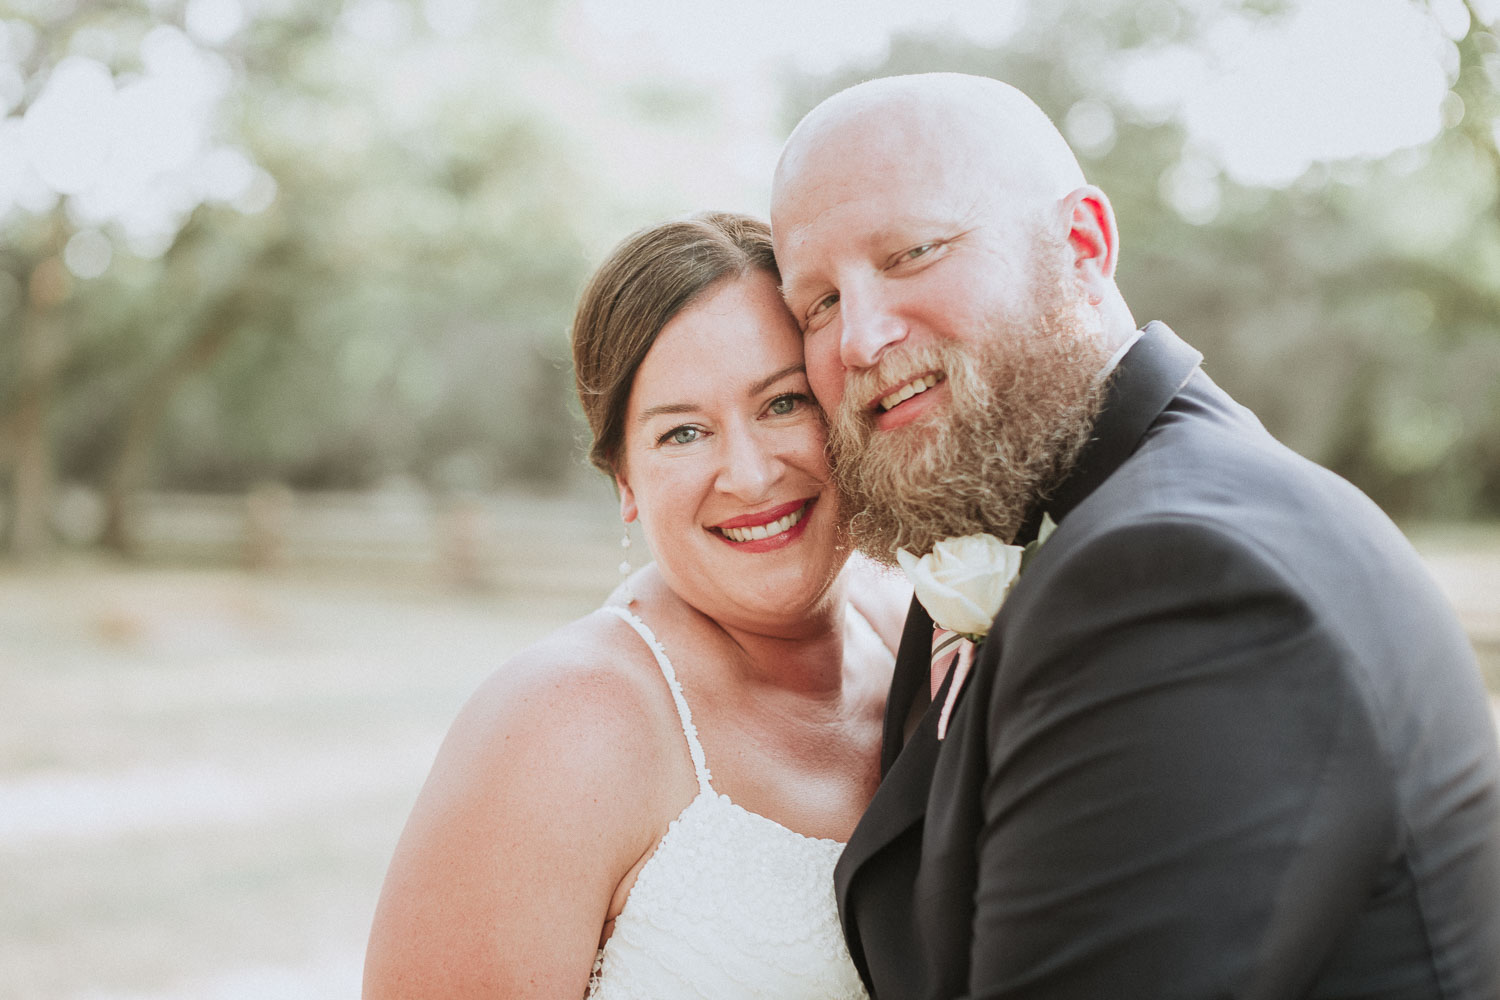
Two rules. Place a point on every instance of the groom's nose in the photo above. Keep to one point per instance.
(868, 327)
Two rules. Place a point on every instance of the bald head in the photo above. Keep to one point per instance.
(969, 123)
(910, 181)
(940, 208)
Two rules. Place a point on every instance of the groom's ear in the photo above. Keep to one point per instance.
(1093, 239)
(628, 510)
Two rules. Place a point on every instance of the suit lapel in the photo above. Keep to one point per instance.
(1147, 379)
(899, 802)
(910, 683)
(1154, 370)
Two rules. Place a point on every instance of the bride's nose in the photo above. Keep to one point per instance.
(748, 468)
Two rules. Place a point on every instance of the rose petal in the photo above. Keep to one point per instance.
(963, 581)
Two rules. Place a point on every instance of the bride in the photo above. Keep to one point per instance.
(649, 803)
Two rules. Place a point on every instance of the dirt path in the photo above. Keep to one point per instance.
(202, 774)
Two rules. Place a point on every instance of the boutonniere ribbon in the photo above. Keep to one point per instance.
(961, 584)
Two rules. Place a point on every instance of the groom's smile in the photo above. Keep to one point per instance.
(908, 400)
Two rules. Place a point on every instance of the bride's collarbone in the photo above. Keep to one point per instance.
(767, 744)
(767, 754)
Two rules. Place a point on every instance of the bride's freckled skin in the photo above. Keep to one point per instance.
(723, 436)
(747, 649)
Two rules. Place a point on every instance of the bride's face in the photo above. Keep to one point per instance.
(724, 460)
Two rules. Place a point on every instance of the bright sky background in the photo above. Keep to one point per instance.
(1335, 80)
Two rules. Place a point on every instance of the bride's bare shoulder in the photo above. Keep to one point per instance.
(572, 728)
(879, 593)
(592, 682)
(547, 790)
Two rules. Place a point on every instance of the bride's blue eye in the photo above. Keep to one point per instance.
(680, 435)
(784, 404)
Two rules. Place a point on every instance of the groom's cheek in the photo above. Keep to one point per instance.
(825, 373)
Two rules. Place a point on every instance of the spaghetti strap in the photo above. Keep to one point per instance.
(704, 919)
(695, 749)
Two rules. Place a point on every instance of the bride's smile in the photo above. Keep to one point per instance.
(767, 530)
(651, 800)
(723, 458)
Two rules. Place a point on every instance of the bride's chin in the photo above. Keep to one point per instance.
(797, 588)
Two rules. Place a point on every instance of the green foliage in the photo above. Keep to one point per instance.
(402, 301)
(400, 306)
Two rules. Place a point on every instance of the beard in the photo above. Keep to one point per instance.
(1021, 405)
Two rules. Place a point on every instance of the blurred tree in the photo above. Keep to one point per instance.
(385, 288)
(112, 146)
(38, 350)
(325, 244)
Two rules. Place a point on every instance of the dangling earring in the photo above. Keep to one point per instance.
(625, 590)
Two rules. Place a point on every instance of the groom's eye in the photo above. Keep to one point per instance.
(823, 305)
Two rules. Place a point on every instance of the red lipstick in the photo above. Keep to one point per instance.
(763, 517)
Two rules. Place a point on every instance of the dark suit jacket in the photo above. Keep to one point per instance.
(1225, 739)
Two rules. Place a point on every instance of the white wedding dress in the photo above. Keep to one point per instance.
(730, 905)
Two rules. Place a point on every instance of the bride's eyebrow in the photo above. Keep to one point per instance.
(664, 408)
(754, 390)
(773, 378)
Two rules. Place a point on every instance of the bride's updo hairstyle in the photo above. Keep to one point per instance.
(648, 279)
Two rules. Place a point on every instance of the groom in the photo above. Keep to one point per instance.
(1224, 738)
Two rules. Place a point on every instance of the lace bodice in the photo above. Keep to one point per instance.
(730, 905)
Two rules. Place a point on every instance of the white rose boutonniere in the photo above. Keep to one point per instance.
(963, 581)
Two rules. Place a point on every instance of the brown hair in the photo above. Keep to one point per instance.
(645, 281)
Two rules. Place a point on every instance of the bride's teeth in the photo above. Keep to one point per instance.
(765, 530)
